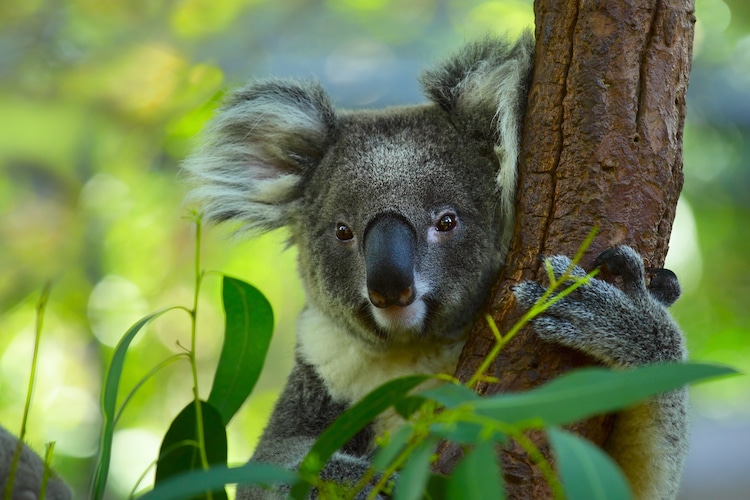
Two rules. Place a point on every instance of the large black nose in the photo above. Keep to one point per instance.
(390, 244)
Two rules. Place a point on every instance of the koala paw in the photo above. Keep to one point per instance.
(627, 327)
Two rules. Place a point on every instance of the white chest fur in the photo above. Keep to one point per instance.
(351, 368)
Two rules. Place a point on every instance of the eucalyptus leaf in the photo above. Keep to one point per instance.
(185, 485)
(247, 335)
(412, 480)
(450, 395)
(587, 473)
(591, 391)
(409, 405)
(386, 454)
(463, 432)
(478, 475)
(437, 488)
(109, 402)
(179, 451)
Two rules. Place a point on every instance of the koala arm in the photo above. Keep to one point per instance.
(304, 410)
(627, 328)
(29, 473)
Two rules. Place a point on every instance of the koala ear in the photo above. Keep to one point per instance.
(486, 85)
(257, 151)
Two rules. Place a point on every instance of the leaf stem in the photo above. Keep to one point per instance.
(412, 445)
(422, 421)
(50, 449)
(41, 307)
(541, 305)
(199, 424)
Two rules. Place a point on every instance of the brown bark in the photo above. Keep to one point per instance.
(602, 147)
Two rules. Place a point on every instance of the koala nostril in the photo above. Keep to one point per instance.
(402, 299)
(406, 297)
(377, 299)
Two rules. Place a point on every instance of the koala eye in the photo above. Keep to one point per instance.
(446, 222)
(343, 232)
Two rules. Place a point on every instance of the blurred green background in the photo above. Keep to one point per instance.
(101, 100)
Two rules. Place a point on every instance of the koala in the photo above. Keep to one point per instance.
(29, 472)
(402, 218)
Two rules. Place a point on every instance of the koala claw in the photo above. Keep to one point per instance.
(622, 261)
(625, 262)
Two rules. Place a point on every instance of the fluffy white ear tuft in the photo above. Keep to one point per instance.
(486, 85)
(257, 150)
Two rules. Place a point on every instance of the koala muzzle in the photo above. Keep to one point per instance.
(390, 247)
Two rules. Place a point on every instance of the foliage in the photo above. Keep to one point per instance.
(193, 456)
(197, 436)
(449, 412)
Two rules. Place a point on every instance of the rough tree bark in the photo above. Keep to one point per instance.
(602, 146)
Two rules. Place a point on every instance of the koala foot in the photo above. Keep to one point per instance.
(627, 327)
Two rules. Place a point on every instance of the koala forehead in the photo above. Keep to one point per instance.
(404, 160)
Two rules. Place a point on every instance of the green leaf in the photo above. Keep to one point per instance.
(587, 473)
(409, 405)
(249, 326)
(591, 391)
(349, 423)
(437, 488)
(179, 450)
(412, 480)
(388, 453)
(450, 395)
(109, 402)
(465, 432)
(478, 475)
(189, 484)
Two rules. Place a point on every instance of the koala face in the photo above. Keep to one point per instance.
(399, 227)
(402, 216)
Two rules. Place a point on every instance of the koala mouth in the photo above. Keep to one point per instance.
(396, 322)
(397, 318)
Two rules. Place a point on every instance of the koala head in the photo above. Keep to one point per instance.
(402, 216)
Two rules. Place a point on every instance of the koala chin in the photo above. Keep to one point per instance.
(402, 218)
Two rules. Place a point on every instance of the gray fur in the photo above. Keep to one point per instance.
(291, 433)
(626, 328)
(443, 175)
(259, 147)
(484, 74)
(29, 474)
(277, 154)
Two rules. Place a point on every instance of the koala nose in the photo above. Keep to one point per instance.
(389, 246)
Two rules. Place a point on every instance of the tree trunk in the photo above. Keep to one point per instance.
(602, 147)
